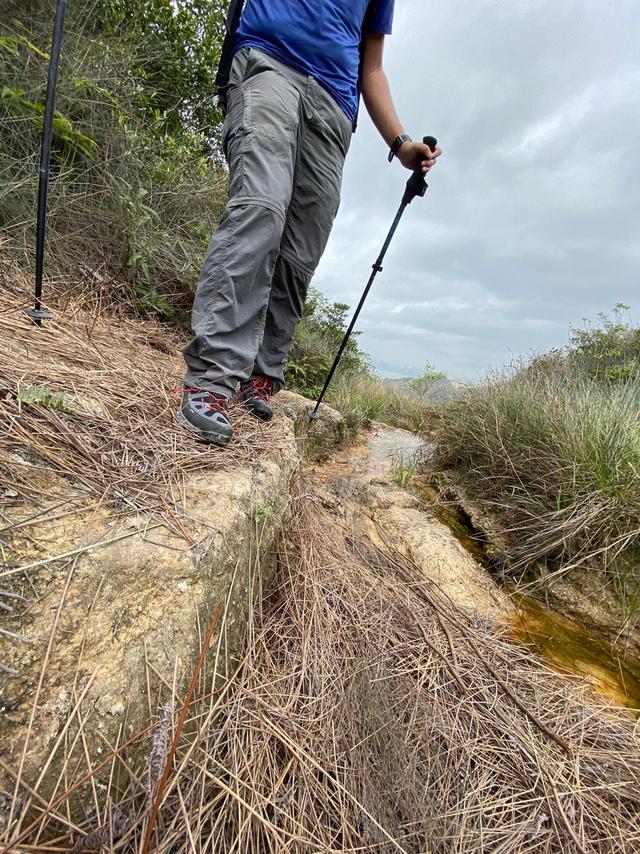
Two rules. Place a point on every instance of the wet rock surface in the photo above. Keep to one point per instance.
(588, 596)
(600, 604)
(364, 484)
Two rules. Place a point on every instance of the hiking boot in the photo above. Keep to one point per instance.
(206, 415)
(256, 395)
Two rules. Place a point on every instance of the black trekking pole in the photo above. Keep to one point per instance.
(416, 186)
(37, 314)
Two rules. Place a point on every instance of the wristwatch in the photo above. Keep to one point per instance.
(397, 142)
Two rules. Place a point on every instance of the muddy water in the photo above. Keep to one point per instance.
(569, 649)
(562, 643)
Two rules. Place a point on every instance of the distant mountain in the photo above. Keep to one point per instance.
(439, 392)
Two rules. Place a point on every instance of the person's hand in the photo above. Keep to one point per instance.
(412, 153)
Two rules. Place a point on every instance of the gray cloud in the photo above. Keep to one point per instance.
(531, 219)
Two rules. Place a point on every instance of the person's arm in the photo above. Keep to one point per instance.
(379, 104)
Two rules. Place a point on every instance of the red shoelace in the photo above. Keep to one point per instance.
(262, 387)
(213, 403)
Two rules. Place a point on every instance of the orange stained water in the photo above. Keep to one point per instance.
(568, 648)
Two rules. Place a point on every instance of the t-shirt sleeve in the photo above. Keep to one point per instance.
(379, 17)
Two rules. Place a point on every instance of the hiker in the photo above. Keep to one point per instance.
(298, 69)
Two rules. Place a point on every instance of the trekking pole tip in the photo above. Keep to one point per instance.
(37, 315)
(314, 415)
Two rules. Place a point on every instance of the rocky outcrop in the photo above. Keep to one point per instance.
(119, 534)
(121, 618)
(362, 484)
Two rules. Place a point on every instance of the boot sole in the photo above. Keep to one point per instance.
(207, 436)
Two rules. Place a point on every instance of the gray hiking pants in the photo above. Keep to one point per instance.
(285, 140)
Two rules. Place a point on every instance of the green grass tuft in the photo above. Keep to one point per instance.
(554, 449)
(403, 470)
(43, 396)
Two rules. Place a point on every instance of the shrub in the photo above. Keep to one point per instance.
(136, 183)
(425, 382)
(610, 351)
(316, 342)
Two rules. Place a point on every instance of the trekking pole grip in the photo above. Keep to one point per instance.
(416, 185)
(431, 142)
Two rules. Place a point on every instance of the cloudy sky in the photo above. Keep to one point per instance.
(532, 217)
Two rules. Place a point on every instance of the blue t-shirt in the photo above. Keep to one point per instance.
(318, 37)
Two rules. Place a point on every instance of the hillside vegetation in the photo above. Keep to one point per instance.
(553, 448)
(259, 649)
(356, 389)
(136, 177)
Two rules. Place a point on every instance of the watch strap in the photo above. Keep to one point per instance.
(397, 142)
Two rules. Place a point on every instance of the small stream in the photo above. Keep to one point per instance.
(391, 447)
(569, 649)
(562, 643)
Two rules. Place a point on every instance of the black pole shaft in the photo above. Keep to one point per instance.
(45, 154)
(416, 187)
(377, 267)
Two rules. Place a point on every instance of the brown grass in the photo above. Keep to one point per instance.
(114, 438)
(369, 713)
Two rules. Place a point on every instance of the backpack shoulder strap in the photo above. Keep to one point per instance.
(362, 37)
(226, 54)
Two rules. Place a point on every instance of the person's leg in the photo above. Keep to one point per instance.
(325, 134)
(260, 139)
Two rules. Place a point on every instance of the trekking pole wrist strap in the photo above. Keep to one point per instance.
(397, 142)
